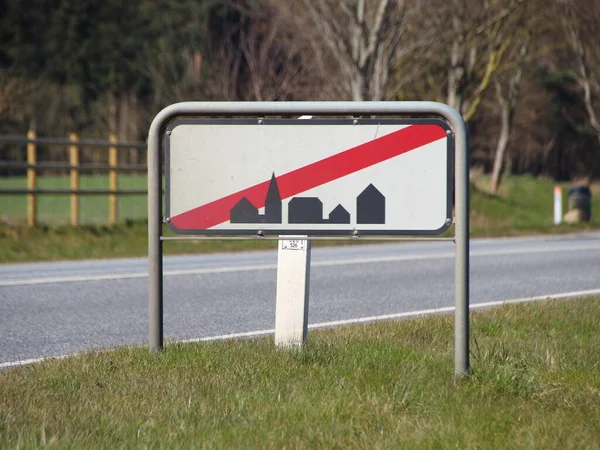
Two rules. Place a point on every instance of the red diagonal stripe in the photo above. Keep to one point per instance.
(313, 175)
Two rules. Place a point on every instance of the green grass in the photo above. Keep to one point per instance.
(54, 209)
(47, 243)
(525, 204)
(535, 383)
(523, 207)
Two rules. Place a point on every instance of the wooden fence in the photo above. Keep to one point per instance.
(74, 145)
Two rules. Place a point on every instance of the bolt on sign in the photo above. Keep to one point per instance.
(315, 177)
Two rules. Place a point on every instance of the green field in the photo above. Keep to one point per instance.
(535, 383)
(524, 203)
(524, 206)
(54, 209)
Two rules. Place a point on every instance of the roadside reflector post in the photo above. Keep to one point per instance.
(293, 280)
(557, 205)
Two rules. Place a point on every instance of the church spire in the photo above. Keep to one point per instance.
(273, 202)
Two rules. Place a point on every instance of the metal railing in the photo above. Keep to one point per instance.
(74, 168)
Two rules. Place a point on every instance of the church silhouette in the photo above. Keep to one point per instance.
(245, 212)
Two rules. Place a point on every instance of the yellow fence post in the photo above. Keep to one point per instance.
(31, 180)
(74, 175)
(112, 180)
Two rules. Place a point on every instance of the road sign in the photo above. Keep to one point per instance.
(316, 177)
(302, 166)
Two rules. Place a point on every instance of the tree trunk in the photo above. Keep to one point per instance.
(501, 147)
(508, 106)
(456, 72)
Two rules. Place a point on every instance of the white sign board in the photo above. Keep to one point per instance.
(315, 177)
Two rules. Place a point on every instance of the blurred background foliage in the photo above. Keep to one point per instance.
(524, 73)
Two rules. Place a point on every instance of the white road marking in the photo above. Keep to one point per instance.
(403, 315)
(25, 362)
(257, 267)
(133, 275)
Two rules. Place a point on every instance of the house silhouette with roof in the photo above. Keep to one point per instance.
(339, 214)
(244, 212)
(370, 206)
(305, 210)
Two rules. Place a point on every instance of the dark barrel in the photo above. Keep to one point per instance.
(580, 197)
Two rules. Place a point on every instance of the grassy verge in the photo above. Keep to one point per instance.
(46, 243)
(535, 384)
(524, 207)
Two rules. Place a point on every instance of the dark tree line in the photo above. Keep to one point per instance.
(524, 73)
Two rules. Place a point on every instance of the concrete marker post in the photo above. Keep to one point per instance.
(293, 280)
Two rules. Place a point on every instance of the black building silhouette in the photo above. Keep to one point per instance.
(370, 206)
(245, 212)
(305, 210)
(370, 209)
(339, 214)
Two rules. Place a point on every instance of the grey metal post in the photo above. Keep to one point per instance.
(155, 248)
(461, 267)
(315, 108)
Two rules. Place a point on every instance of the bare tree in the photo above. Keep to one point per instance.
(482, 34)
(275, 60)
(356, 44)
(507, 92)
(259, 57)
(581, 22)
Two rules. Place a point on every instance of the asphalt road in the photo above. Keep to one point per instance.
(52, 309)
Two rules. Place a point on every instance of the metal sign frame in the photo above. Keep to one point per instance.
(156, 140)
